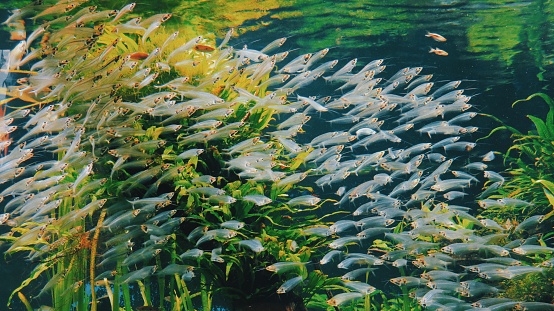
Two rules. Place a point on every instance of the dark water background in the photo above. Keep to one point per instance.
(502, 50)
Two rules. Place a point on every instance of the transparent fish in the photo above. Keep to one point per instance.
(281, 267)
(343, 298)
(232, 224)
(254, 245)
(290, 284)
(258, 199)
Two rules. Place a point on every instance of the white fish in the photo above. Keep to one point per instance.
(185, 47)
(126, 9)
(87, 170)
(290, 284)
(254, 245)
(190, 153)
(16, 54)
(258, 199)
(232, 224)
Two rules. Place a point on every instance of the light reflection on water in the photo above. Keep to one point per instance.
(500, 50)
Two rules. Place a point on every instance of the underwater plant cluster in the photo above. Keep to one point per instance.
(168, 167)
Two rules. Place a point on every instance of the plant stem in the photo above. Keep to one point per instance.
(115, 300)
(93, 246)
(25, 301)
(161, 282)
(126, 295)
(405, 300)
(143, 292)
(185, 294)
(206, 305)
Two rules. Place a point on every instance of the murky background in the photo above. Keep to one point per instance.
(502, 50)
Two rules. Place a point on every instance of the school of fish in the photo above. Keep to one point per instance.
(398, 158)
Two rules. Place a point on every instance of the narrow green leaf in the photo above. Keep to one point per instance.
(550, 115)
(547, 184)
(35, 274)
(500, 128)
(549, 196)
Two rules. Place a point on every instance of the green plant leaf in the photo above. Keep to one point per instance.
(546, 184)
(549, 124)
(541, 127)
(34, 274)
(500, 128)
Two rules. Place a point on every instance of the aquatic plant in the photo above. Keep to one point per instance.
(529, 164)
(534, 287)
(170, 169)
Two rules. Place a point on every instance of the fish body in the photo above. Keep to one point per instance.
(126, 9)
(436, 37)
(138, 274)
(16, 54)
(185, 47)
(343, 298)
(253, 244)
(438, 51)
(290, 284)
(281, 267)
(150, 30)
(258, 199)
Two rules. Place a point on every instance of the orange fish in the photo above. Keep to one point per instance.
(204, 48)
(435, 36)
(139, 55)
(438, 52)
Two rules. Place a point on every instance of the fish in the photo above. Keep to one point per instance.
(290, 284)
(190, 153)
(257, 129)
(282, 267)
(138, 275)
(126, 9)
(150, 30)
(192, 253)
(56, 9)
(435, 36)
(215, 255)
(438, 51)
(4, 218)
(226, 39)
(343, 298)
(187, 46)
(16, 54)
(204, 48)
(216, 233)
(306, 200)
(254, 245)
(87, 170)
(258, 199)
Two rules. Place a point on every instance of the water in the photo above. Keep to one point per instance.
(500, 50)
